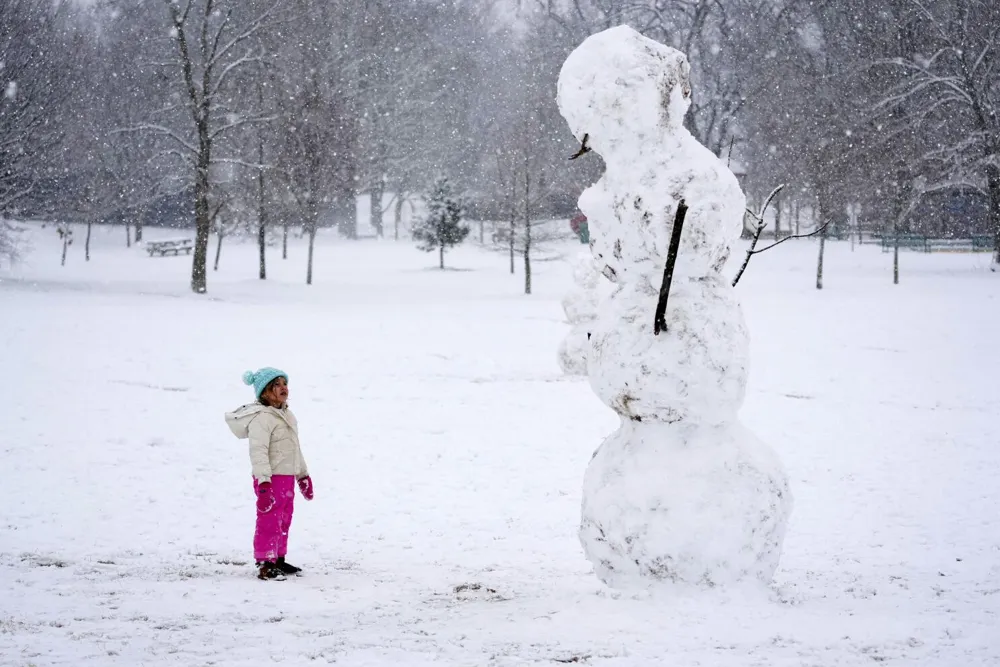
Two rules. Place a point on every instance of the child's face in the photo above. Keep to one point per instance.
(277, 392)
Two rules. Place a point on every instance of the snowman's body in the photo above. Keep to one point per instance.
(681, 492)
(580, 306)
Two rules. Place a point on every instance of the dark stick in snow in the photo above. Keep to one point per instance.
(659, 319)
(584, 148)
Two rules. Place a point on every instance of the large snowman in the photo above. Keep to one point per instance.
(681, 492)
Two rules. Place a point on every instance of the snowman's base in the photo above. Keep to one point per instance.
(684, 504)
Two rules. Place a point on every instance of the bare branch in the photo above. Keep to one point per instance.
(753, 244)
(252, 28)
(221, 79)
(184, 157)
(158, 129)
(239, 123)
(793, 236)
(760, 227)
(767, 202)
(242, 163)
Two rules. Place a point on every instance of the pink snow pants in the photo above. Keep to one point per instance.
(270, 539)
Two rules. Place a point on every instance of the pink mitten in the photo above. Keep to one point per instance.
(265, 497)
(306, 487)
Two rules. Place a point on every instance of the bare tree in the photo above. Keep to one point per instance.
(527, 157)
(223, 227)
(952, 93)
(212, 41)
(315, 166)
(9, 240)
(35, 82)
(522, 189)
(106, 163)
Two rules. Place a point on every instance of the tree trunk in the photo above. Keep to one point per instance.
(527, 258)
(797, 212)
(262, 244)
(138, 225)
(993, 185)
(441, 256)
(86, 243)
(218, 249)
(905, 199)
(128, 235)
(854, 226)
(819, 263)
(65, 245)
(312, 224)
(202, 220)
(777, 218)
(482, 232)
(261, 209)
(309, 261)
(527, 229)
(513, 230)
(375, 207)
(284, 241)
(820, 212)
(398, 215)
(895, 260)
(513, 217)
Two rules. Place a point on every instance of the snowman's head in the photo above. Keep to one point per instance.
(620, 88)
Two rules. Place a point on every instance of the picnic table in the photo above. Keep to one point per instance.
(169, 247)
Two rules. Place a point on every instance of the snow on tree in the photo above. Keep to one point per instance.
(36, 79)
(681, 492)
(8, 241)
(953, 93)
(580, 306)
(442, 227)
(212, 43)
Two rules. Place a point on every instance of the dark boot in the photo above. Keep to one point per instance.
(269, 570)
(287, 568)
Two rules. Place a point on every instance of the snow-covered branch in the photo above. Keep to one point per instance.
(252, 28)
(228, 69)
(162, 130)
(228, 127)
(760, 228)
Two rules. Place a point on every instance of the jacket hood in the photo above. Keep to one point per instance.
(239, 419)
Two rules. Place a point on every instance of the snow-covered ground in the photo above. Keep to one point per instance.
(448, 453)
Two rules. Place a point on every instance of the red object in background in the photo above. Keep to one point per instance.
(575, 221)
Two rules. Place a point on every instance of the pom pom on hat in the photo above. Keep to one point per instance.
(262, 377)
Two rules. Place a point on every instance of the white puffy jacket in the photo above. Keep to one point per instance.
(274, 440)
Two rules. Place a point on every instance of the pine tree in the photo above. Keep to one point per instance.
(442, 227)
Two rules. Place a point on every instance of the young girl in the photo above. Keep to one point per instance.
(276, 463)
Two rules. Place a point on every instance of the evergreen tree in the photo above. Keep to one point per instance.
(442, 227)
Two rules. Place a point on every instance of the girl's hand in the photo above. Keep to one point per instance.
(265, 497)
(306, 487)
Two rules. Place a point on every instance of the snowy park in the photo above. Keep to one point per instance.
(505, 288)
(448, 452)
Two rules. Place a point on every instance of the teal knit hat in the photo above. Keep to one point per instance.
(262, 377)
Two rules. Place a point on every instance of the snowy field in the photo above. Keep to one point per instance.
(448, 453)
